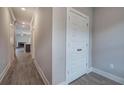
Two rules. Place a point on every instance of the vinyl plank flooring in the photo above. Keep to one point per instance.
(93, 79)
(23, 72)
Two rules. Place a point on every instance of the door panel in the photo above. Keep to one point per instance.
(77, 46)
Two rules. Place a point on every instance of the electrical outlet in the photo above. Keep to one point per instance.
(112, 66)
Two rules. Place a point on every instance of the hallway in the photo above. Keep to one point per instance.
(23, 72)
(57, 45)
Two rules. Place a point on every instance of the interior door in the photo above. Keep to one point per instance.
(77, 46)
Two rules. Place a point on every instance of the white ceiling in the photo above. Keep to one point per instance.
(23, 16)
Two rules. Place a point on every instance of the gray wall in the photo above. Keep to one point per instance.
(50, 41)
(59, 42)
(108, 40)
(89, 12)
(59, 45)
(4, 38)
(43, 41)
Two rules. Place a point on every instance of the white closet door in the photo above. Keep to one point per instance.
(77, 46)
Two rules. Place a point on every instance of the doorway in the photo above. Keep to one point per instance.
(23, 38)
(77, 45)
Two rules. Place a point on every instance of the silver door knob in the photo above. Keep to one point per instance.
(79, 49)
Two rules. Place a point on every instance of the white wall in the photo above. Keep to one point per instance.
(43, 41)
(4, 38)
(59, 45)
(108, 40)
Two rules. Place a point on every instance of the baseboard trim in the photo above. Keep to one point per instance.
(45, 80)
(89, 70)
(2, 75)
(108, 75)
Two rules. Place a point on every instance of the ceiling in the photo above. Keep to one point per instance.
(23, 18)
(23, 15)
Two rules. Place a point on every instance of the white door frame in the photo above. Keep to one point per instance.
(67, 28)
(32, 37)
(12, 27)
(33, 34)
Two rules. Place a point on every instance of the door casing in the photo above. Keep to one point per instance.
(67, 29)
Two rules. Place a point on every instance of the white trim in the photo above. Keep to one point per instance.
(109, 75)
(32, 37)
(12, 15)
(67, 24)
(89, 70)
(45, 80)
(2, 75)
(79, 13)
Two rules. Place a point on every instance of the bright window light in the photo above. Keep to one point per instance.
(22, 34)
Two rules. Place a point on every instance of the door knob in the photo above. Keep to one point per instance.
(79, 49)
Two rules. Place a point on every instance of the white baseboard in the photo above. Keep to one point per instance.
(45, 80)
(108, 75)
(89, 70)
(2, 75)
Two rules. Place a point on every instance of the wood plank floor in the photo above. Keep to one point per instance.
(23, 72)
(93, 79)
